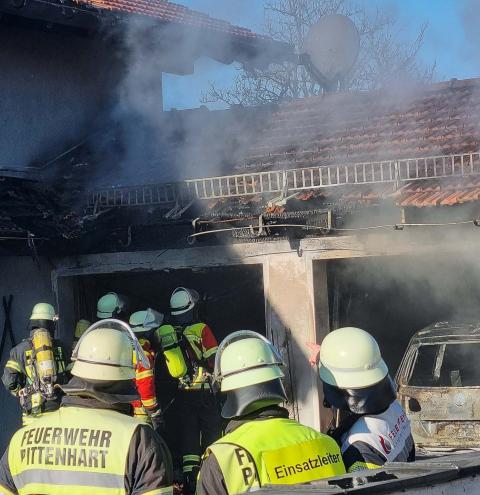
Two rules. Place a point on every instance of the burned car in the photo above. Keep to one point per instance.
(439, 386)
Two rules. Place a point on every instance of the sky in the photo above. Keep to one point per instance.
(452, 40)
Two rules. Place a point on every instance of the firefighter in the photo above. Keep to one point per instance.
(374, 428)
(80, 329)
(90, 444)
(112, 305)
(147, 409)
(262, 445)
(189, 346)
(35, 365)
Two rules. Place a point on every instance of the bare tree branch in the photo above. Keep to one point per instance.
(386, 55)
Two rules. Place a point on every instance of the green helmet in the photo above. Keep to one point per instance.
(183, 300)
(80, 327)
(350, 359)
(246, 358)
(110, 305)
(43, 311)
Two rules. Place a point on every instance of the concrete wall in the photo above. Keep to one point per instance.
(295, 290)
(52, 86)
(29, 284)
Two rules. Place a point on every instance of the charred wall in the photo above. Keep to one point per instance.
(29, 283)
(395, 296)
(53, 85)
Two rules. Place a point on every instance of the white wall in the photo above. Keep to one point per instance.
(29, 284)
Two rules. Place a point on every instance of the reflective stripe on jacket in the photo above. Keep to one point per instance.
(202, 348)
(275, 451)
(19, 373)
(145, 382)
(55, 455)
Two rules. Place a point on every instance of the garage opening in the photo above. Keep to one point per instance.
(233, 299)
(393, 297)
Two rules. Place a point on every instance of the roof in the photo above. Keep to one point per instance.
(345, 128)
(196, 33)
(172, 12)
(439, 192)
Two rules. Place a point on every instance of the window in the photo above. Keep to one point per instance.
(446, 365)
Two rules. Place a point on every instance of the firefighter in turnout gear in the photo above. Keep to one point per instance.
(80, 329)
(261, 446)
(373, 428)
(189, 348)
(35, 365)
(91, 444)
(147, 409)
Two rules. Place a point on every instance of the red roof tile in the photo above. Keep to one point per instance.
(439, 192)
(342, 128)
(172, 12)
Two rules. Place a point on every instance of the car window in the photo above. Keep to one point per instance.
(446, 365)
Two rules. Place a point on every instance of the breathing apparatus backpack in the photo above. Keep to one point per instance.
(44, 371)
(173, 345)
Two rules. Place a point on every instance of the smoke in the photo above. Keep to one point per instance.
(143, 143)
(470, 17)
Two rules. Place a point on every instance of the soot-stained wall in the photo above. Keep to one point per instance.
(395, 296)
(29, 284)
(52, 87)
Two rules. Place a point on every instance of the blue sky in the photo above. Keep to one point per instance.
(452, 39)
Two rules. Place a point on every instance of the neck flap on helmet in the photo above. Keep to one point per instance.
(245, 400)
(108, 392)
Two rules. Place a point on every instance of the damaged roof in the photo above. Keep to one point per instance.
(334, 131)
(411, 147)
(396, 123)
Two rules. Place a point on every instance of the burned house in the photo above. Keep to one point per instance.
(65, 67)
(343, 209)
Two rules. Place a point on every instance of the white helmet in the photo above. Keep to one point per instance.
(183, 300)
(143, 321)
(246, 358)
(105, 352)
(110, 305)
(43, 311)
(350, 358)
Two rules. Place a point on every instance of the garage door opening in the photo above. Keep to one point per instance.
(233, 299)
(394, 297)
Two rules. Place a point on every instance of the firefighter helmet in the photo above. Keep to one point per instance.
(80, 327)
(43, 311)
(350, 358)
(144, 321)
(246, 358)
(183, 300)
(105, 352)
(110, 305)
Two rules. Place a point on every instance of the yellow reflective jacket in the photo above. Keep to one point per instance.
(275, 451)
(72, 451)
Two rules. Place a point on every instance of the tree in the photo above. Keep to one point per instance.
(384, 57)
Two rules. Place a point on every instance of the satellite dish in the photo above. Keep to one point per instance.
(331, 49)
